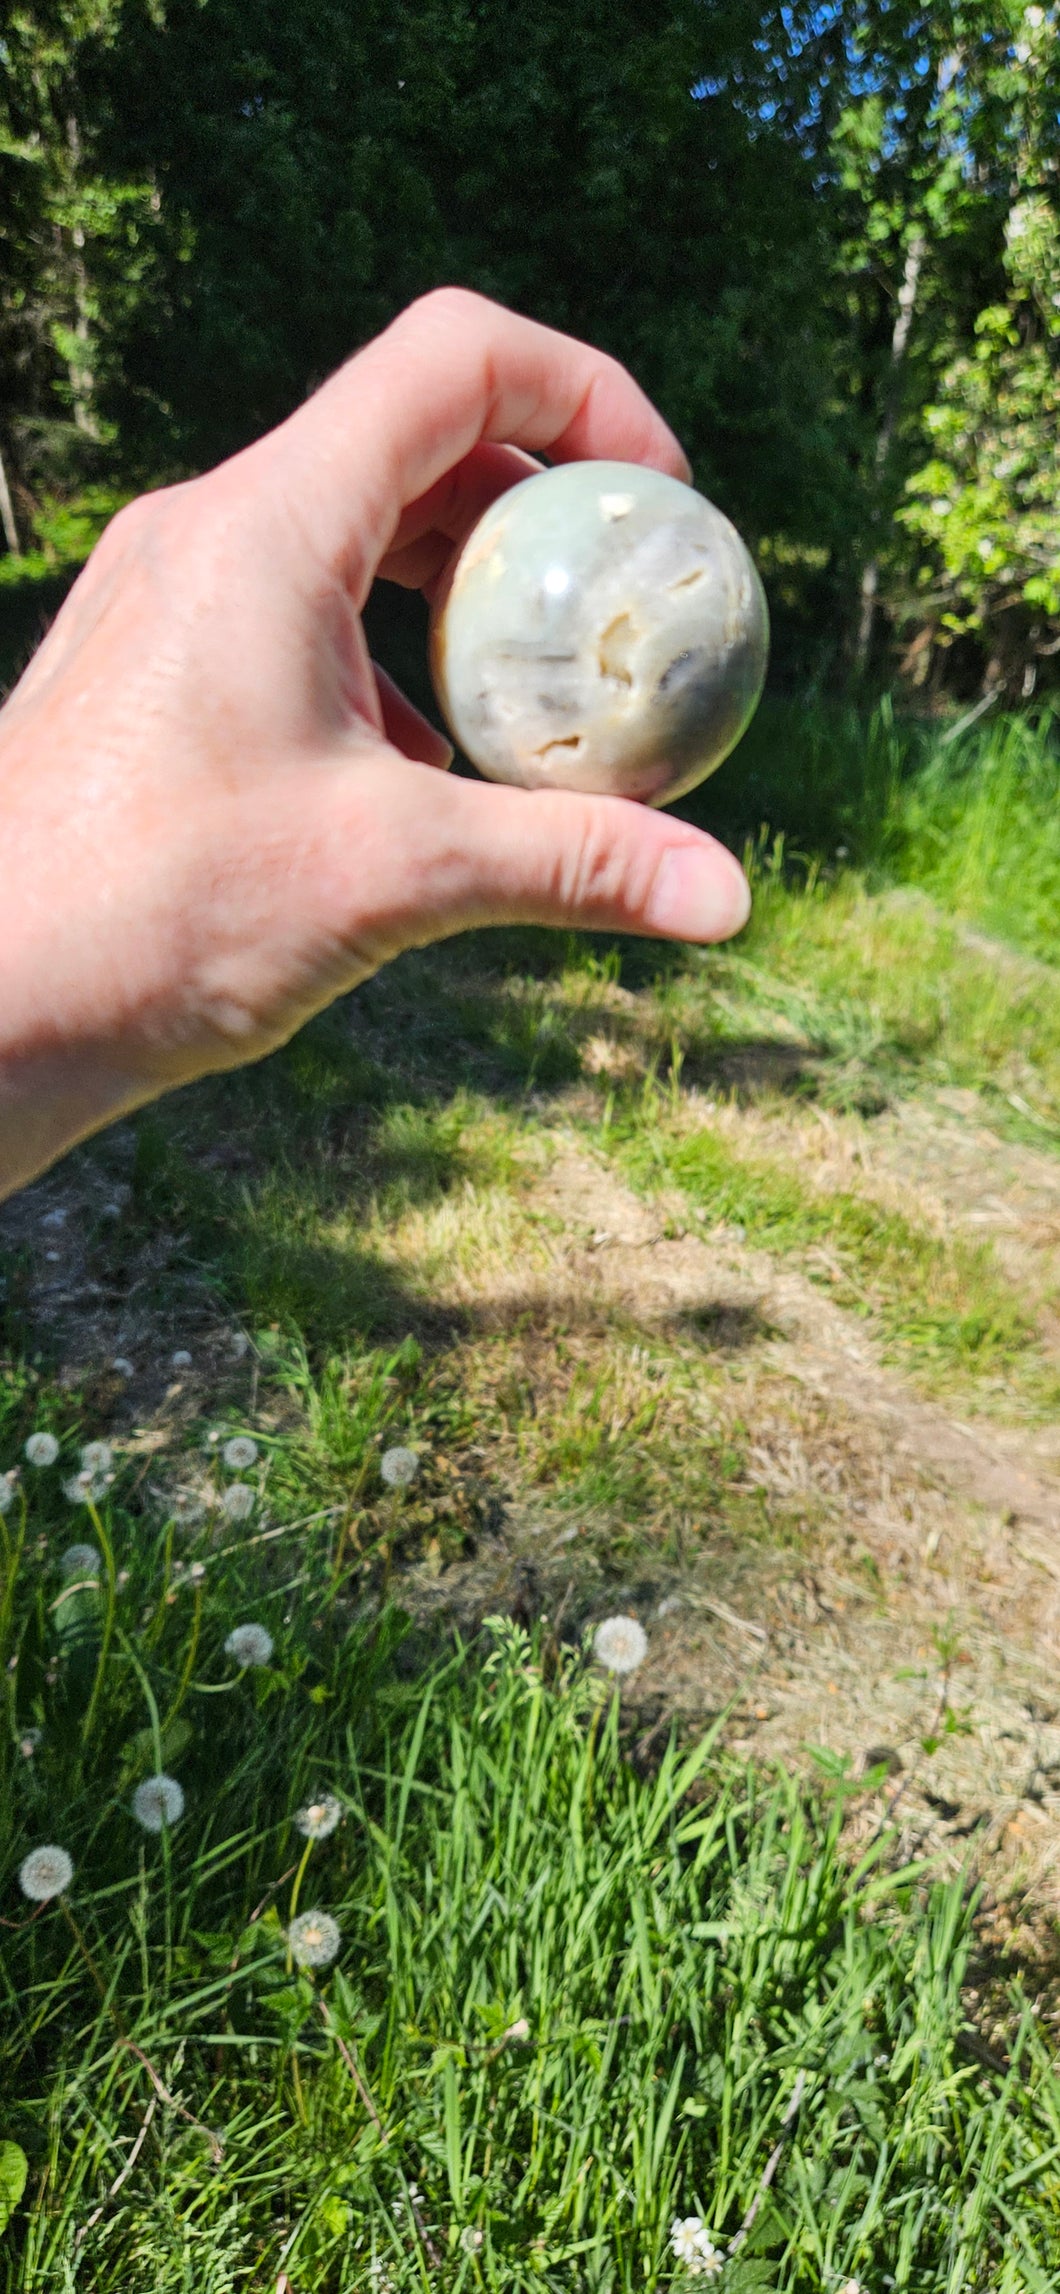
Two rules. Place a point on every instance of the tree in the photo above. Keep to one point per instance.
(985, 507)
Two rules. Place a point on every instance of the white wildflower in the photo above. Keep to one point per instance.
(314, 1938)
(240, 1452)
(249, 1645)
(238, 1501)
(8, 1489)
(157, 1801)
(691, 2244)
(470, 2239)
(852, 2286)
(42, 1449)
(97, 1458)
(85, 1488)
(399, 1467)
(80, 1561)
(1035, 17)
(181, 1360)
(122, 1367)
(518, 2032)
(941, 506)
(30, 1742)
(317, 1820)
(44, 1873)
(620, 1644)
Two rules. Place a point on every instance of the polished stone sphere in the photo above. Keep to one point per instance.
(603, 628)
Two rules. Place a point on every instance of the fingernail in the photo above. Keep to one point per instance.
(698, 895)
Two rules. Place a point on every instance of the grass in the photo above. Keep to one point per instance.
(571, 2000)
(942, 1304)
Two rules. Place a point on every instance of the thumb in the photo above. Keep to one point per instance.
(450, 854)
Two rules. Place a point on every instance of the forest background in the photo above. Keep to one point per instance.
(825, 237)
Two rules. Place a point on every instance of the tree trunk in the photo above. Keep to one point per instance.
(79, 369)
(7, 514)
(907, 295)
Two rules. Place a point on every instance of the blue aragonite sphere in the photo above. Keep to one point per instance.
(603, 628)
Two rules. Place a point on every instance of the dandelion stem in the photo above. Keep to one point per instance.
(189, 1664)
(298, 1879)
(107, 1551)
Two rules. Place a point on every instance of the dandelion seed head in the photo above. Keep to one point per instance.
(238, 1501)
(399, 1467)
(249, 1645)
(42, 1449)
(240, 1452)
(314, 1938)
(44, 1873)
(317, 1820)
(157, 1801)
(122, 1367)
(97, 1458)
(85, 1488)
(620, 1644)
(470, 2239)
(80, 1561)
(181, 1360)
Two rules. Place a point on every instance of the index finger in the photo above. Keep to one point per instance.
(453, 370)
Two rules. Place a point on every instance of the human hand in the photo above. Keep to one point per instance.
(217, 815)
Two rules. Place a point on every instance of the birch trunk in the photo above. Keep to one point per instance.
(7, 514)
(907, 297)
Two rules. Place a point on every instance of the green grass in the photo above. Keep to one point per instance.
(941, 1304)
(571, 2000)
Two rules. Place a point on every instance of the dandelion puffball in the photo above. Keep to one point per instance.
(238, 1501)
(318, 1819)
(80, 1561)
(86, 1488)
(249, 1645)
(181, 1360)
(97, 1458)
(157, 1801)
(122, 1367)
(240, 1452)
(620, 1644)
(42, 1449)
(44, 1873)
(399, 1467)
(314, 1939)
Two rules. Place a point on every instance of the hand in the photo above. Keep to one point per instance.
(217, 815)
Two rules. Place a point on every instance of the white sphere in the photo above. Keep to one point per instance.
(603, 628)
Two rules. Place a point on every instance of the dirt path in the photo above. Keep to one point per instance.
(922, 1630)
